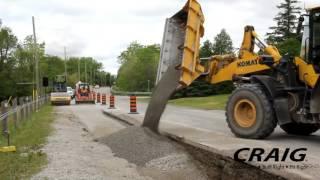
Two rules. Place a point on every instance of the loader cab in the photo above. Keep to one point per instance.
(310, 50)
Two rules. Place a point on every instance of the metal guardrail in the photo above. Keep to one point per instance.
(20, 109)
(125, 93)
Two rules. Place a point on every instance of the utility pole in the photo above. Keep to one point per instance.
(65, 62)
(148, 85)
(79, 75)
(36, 59)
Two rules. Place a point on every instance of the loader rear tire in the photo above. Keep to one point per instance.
(249, 113)
(300, 129)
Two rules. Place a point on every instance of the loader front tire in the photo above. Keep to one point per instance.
(300, 129)
(250, 113)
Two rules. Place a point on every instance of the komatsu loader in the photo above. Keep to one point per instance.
(271, 88)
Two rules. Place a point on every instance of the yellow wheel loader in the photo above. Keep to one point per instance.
(271, 89)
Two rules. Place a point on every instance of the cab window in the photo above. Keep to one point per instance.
(316, 36)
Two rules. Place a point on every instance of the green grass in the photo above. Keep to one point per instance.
(208, 103)
(28, 138)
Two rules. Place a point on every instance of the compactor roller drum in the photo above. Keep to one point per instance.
(250, 113)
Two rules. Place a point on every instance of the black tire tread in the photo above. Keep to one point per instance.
(300, 129)
(270, 121)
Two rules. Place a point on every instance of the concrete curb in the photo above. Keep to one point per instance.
(127, 120)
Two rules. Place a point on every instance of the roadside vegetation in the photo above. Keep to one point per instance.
(17, 65)
(28, 139)
(138, 68)
(217, 102)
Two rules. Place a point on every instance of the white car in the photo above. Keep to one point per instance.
(70, 92)
(97, 86)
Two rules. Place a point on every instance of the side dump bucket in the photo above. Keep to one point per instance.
(181, 43)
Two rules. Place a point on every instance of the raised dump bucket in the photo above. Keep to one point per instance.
(181, 42)
(179, 64)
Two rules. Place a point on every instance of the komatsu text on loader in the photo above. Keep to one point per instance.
(271, 88)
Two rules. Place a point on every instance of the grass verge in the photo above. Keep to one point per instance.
(28, 138)
(208, 103)
(217, 102)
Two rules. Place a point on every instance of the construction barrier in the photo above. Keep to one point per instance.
(98, 98)
(112, 99)
(133, 105)
(104, 99)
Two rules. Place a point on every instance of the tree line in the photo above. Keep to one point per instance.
(17, 66)
(139, 65)
(139, 62)
(138, 68)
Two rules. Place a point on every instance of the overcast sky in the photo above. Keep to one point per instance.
(103, 28)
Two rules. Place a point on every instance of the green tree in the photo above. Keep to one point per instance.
(222, 43)
(286, 22)
(93, 70)
(290, 46)
(17, 66)
(206, 49)
(138, 67)
(8, 43)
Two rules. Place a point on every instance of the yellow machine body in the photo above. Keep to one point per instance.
(224, 67)
(272, 89)
(8, 149)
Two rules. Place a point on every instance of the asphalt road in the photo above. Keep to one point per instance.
(214, 120)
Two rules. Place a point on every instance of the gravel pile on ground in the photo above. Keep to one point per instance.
(171, 162)
(72, 154)
(139, 145)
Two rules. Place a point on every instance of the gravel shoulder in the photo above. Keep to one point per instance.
(73, 154)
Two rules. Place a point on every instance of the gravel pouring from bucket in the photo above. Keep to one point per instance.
(165, 88)
(179, 62)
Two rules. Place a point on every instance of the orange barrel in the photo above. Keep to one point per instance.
(104, 99)
(98, 98)
(112, 102)
(133, 105)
